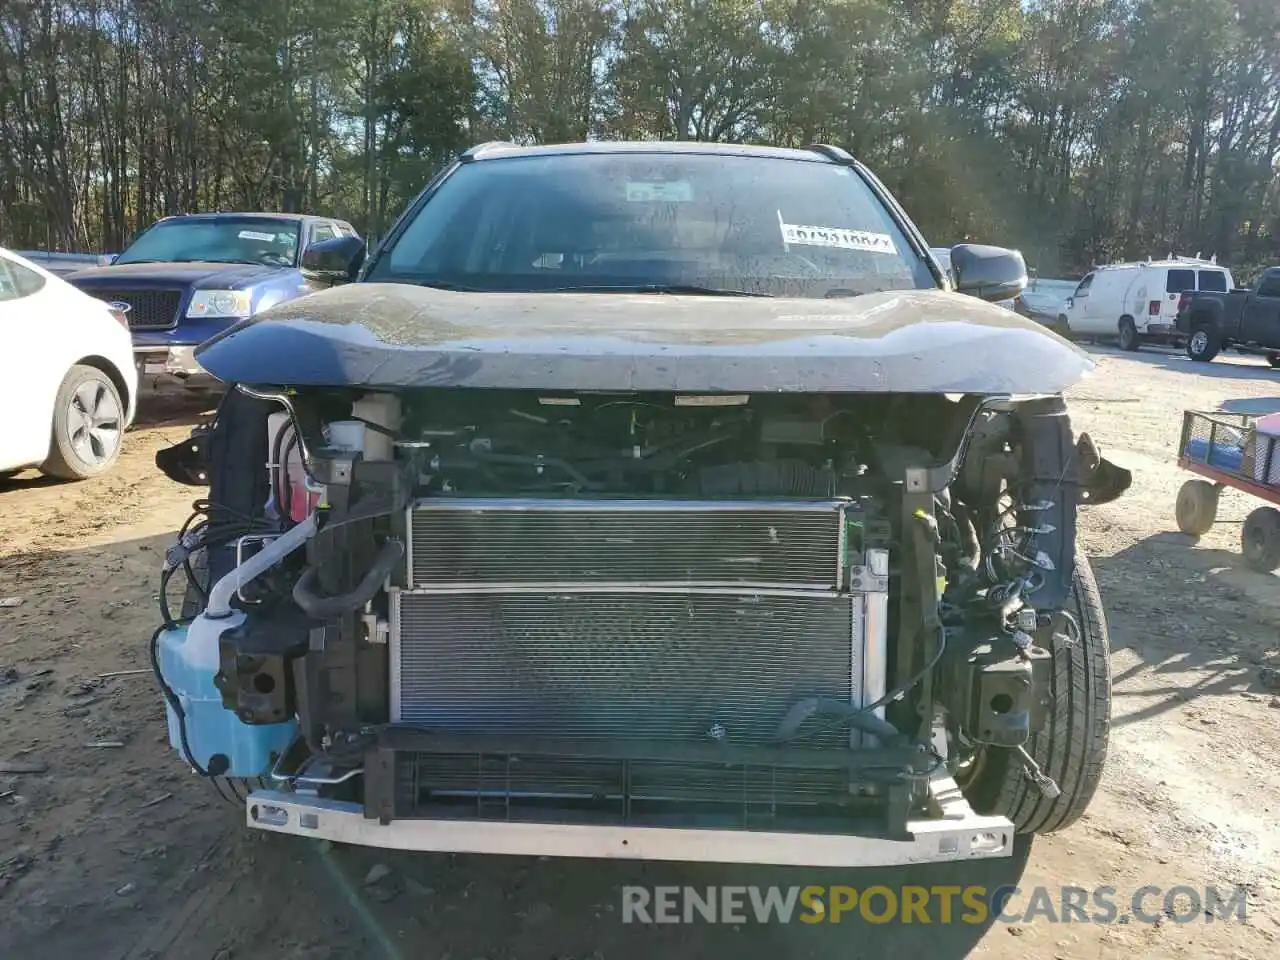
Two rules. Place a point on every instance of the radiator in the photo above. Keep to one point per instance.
(576, 542)
(681, 622)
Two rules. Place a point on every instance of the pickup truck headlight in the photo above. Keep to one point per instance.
(230, 304)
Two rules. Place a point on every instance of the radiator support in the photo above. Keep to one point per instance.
(573, 626)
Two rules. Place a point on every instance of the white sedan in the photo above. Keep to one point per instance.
(68, 387)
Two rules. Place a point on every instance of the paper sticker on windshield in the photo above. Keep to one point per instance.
(805, 235)
(675, 191)
(255, 235)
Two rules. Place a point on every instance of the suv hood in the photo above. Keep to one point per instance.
(392, 336)
(199, 276)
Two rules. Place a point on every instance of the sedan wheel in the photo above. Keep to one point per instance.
(88, 425)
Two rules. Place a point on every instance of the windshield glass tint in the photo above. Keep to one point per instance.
(744, 224)
(242, 240)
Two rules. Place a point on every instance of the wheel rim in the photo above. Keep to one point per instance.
(1199, 341)
(93, 423)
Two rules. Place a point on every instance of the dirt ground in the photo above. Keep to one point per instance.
(109, 848)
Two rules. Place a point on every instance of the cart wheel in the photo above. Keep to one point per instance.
(1197, 507)
(1260, 539)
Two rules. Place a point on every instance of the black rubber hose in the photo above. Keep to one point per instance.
(323, 608)
(860, 718)
(851, 714)
(172, 698)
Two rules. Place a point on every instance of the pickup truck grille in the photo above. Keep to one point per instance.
(148, 309)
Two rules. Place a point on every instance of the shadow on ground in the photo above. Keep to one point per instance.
(175, 407)
(1216, 619)
(1228, 366)
(472, 906)
(1250, 405)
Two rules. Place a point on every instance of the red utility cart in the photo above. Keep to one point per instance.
(1226, 450)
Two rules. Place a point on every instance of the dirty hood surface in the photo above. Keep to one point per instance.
(395, 336)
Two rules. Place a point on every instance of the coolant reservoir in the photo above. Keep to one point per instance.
(218, 740)
(348, 435)
(382, 410)
(289, 478)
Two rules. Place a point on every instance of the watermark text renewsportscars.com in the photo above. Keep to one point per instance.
(937, 904)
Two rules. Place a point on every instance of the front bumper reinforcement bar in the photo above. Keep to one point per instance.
(953, 832)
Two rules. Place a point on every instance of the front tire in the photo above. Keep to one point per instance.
(1062, 328)
(1128, 338)
(1203, 344)
(88, 426)
(1072, 746)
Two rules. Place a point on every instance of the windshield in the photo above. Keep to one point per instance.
(226, 240)
(752, 225)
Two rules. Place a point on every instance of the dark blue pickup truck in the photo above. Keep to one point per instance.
(188, 277)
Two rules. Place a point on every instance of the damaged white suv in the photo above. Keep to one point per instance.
(648, 501)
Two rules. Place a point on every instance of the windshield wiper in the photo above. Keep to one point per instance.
(669, 288)
(449, 285)
(676, 289)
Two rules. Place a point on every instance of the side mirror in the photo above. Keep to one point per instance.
(337, 260)
(1070, 302)
(988, 273)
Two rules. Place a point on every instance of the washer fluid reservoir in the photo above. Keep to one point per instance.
(218, 740)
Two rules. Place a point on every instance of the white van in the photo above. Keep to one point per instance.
(1138, 302)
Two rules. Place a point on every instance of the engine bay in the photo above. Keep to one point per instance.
(419, 581)
(511, 443)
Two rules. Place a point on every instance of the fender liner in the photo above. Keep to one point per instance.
(1050, 473)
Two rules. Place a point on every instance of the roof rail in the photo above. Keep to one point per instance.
(480, 148)
(1171, 258)
(838, 154)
